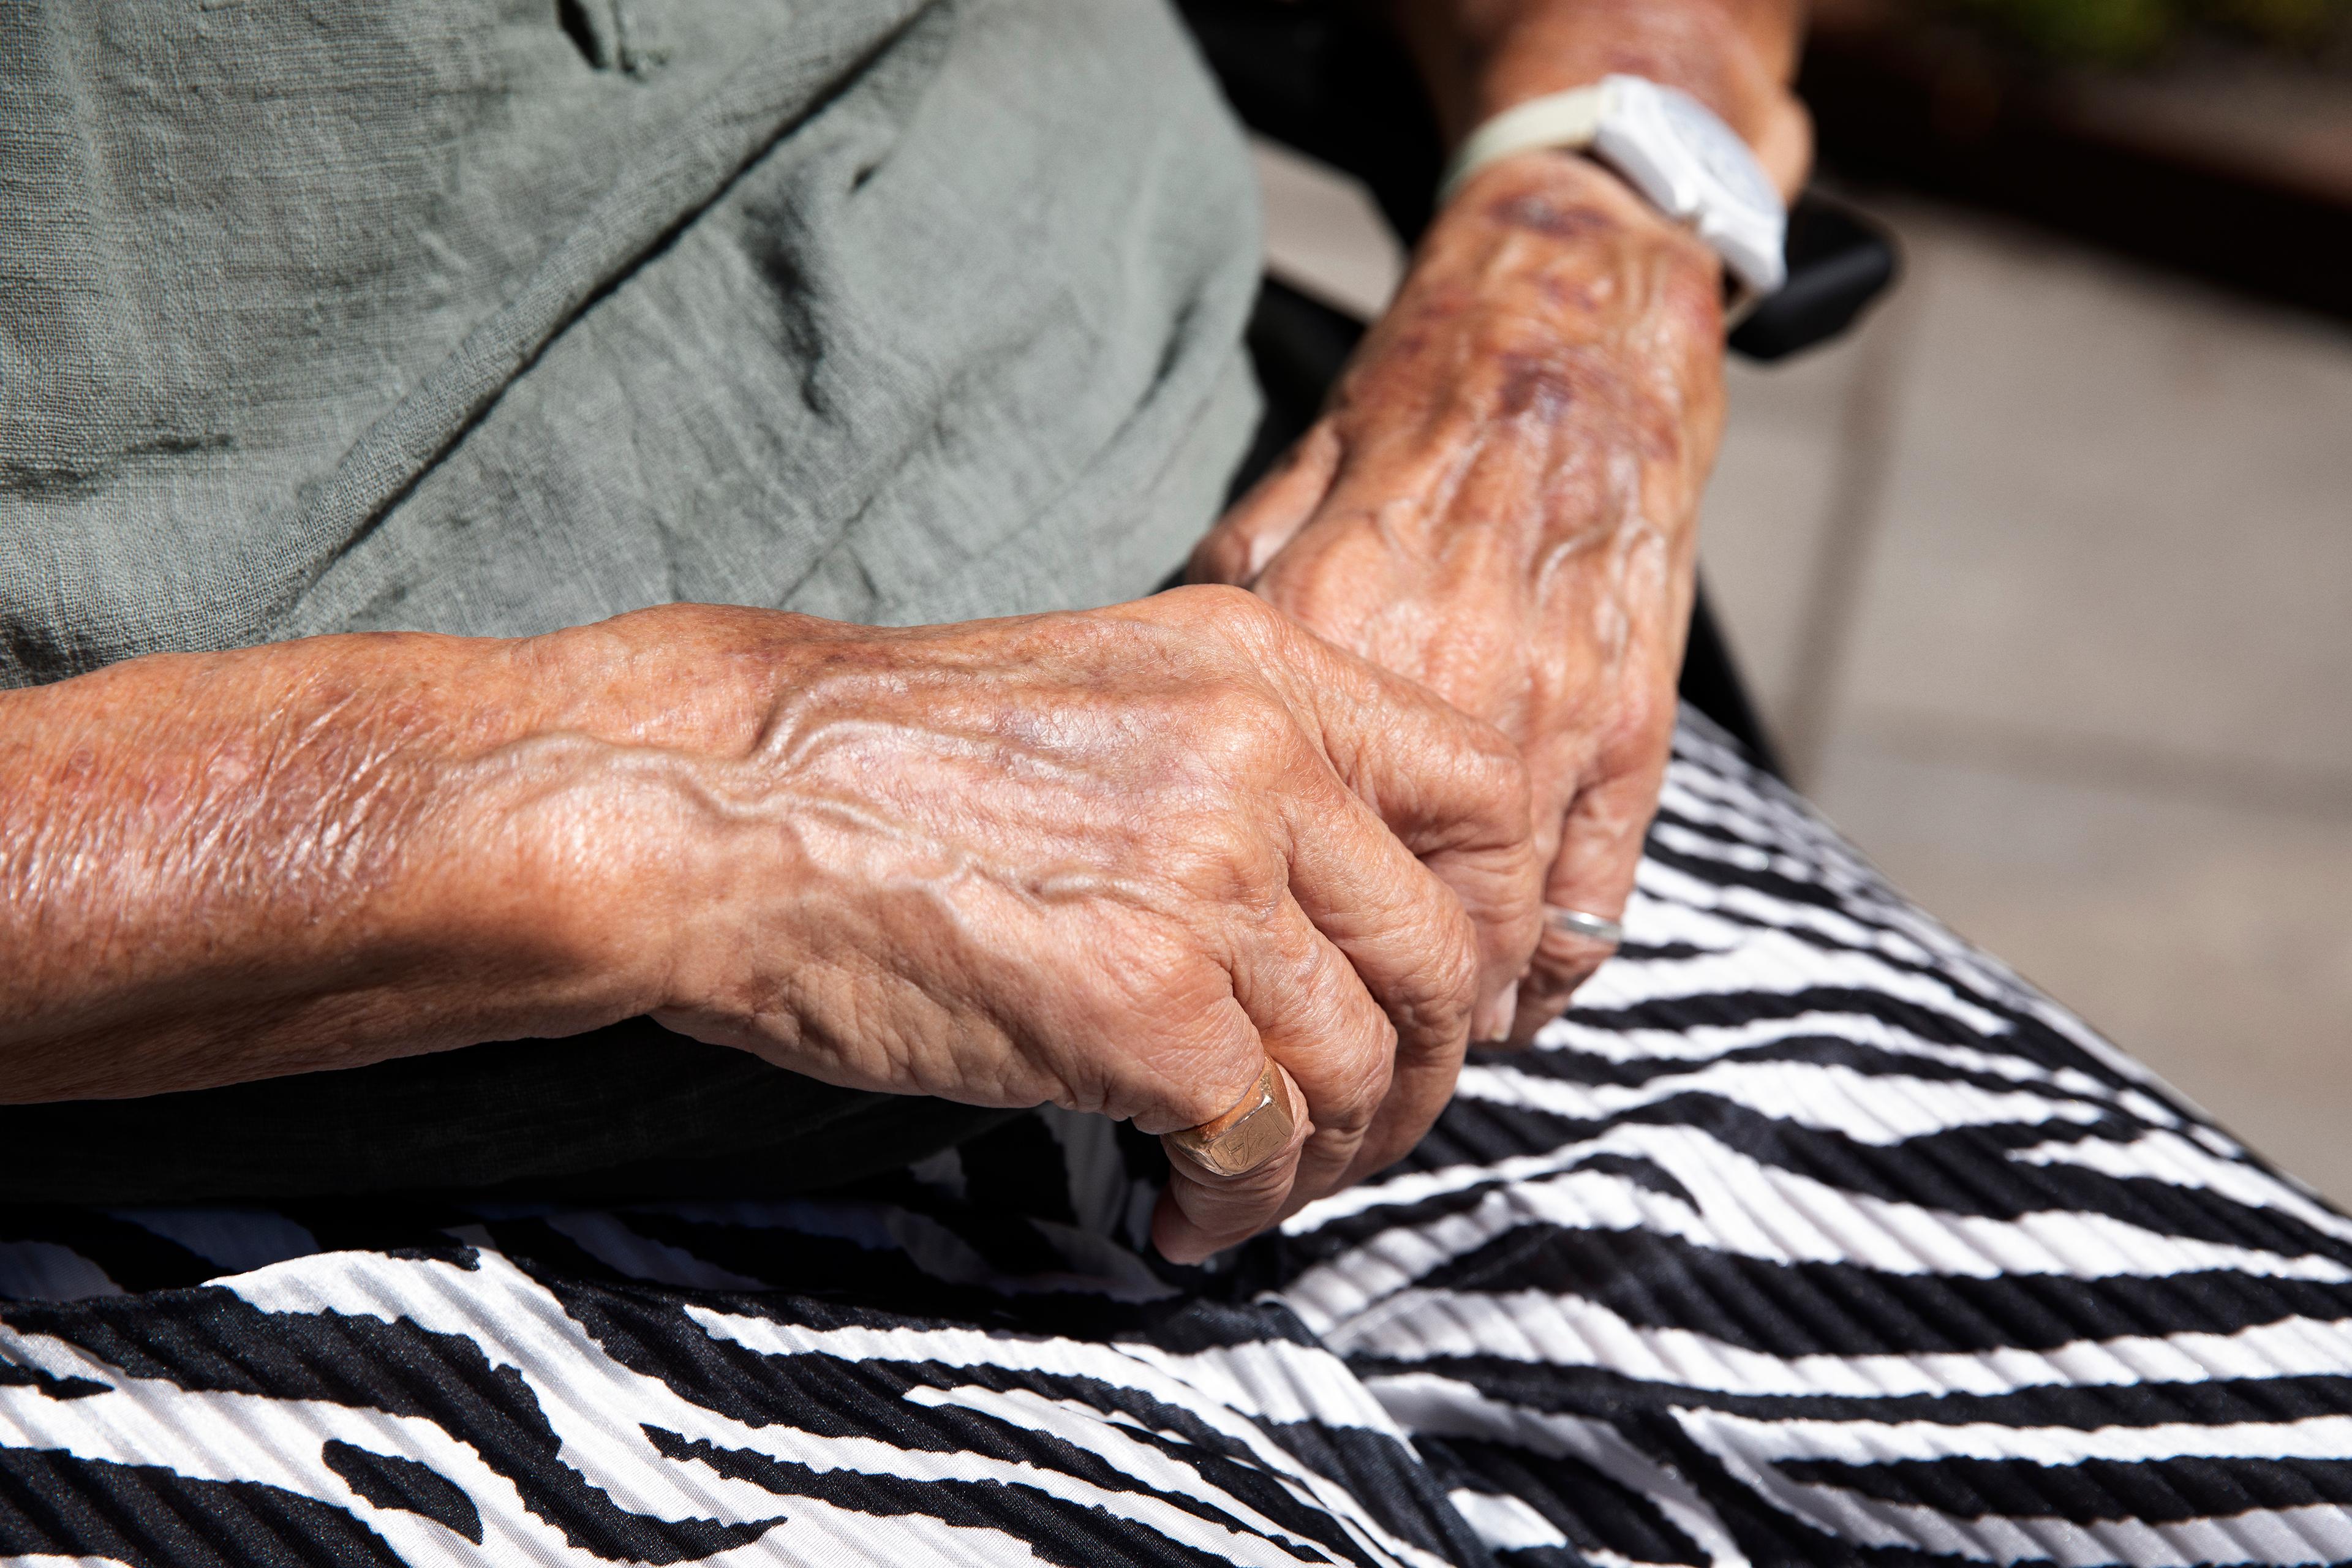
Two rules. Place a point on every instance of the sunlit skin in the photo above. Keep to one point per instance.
(1108, 861)
(1501, 499)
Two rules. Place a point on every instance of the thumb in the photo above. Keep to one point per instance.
(1259, 524)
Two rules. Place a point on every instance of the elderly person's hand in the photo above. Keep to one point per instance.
(1500, 503)
(1500, 500)
(1111, 860)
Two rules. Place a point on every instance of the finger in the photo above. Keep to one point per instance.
(1450, 789)
(1258, 525)
(1599, 850)
(1370, 996)
(1316, 1021)
(1202, 1212)
(1380, 1069)
(1209, 1059)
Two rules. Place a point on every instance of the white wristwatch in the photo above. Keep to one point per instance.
(1667, 145)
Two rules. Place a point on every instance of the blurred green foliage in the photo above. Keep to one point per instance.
(2126, 30)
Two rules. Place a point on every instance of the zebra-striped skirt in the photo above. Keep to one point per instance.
(1811, 1234)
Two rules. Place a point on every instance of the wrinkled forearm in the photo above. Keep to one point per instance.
(1480, 57)
(1514, 455)
(1499, 500)
(1567, 340)
(222, 867)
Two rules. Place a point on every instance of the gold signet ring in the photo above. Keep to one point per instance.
(1247, 1136)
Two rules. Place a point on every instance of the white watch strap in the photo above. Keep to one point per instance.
(1668, 146)
(1565, 121)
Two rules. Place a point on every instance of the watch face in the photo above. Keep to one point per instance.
(1719, 149)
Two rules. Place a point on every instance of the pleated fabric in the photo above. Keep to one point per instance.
(1810, 1236)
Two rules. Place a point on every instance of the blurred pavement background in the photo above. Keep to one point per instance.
(2043, 580)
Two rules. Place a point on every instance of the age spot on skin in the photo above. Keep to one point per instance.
(1534, 386)
(1586, 297)
(1538, 215)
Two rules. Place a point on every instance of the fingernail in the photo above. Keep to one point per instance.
(1492, 1024)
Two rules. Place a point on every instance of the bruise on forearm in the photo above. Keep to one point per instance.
(1513, 459)
(1553, 325)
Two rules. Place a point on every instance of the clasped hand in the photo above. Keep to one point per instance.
(1501, 503)
(1110, 860)
(1115, 855)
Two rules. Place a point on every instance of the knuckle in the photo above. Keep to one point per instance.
(1450, 981)
(1238, 708)
(1205, 1081)
(1500, 775)
(1195, 1103)
(1647, 713)
(1188, 1052)
(1614, 819)
(1167, 982)
(1221, 865)
(1348, 1105)
(1453, 966)
(1640, 733)
(1238, 733)
(1226, 607)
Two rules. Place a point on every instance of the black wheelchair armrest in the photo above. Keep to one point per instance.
(1839, 261)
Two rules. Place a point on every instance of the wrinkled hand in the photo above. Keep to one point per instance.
(1108, 860)
(1500, 503)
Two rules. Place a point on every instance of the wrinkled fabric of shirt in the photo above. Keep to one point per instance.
(459, 318)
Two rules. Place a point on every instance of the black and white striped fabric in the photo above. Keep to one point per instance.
(1810, 1236)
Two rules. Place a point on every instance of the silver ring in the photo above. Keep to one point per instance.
(1591, 927)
